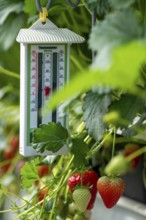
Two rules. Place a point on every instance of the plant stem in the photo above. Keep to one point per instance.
(5, 211)
(9, 73)
(85, 5)
(129, 139)
(114, 141)
(96, 147)
(136, 154)
(60, 185)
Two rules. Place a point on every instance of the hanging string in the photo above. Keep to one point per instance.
(69, 2)
(93, 24)
(38, 4)
(48, 4)
(44, 11)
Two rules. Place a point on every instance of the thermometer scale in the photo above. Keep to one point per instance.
(47, 75)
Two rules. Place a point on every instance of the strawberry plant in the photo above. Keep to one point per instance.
(105, 99)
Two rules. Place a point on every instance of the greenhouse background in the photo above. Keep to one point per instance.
(102, 100)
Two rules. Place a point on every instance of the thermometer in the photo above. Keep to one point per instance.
(44, 69)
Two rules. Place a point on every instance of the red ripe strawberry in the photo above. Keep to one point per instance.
(5, 168)
(43, 170)
(11, 151)
(42, 193)
(8, 154)
(129, 149)
(88, 179)
(14, 143)
(110, 190)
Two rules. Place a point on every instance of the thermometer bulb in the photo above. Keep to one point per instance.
(47, 90)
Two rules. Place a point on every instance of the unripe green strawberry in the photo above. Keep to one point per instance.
(79, 217)
(117, 166)
(72, 208)
(112, 118)
(81, 198)
(110, 190)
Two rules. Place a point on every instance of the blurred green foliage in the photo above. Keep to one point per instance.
(115, 80)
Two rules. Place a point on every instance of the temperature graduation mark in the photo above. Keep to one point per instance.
(61, 69)
(61, 81)
(33, 88)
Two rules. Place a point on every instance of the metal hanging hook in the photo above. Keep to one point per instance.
(38, 4)
(69, 2)
(75, 4)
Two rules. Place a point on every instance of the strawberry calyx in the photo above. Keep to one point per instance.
(81, 187)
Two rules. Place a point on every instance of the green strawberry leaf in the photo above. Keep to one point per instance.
(91, 4)
(80, 149)
(128, 107)
(29, 173)
(95, 107)
(14, 52)
(7, 7)
(51, 137)
(121, 4)
(13, 23)
(118, 27)
(101, 6)
(31, 8)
